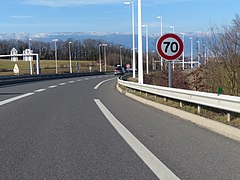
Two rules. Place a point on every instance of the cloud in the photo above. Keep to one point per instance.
(63, 3)
(21, 17)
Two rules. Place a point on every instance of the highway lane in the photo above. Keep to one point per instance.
(59, 132)
(189, 151)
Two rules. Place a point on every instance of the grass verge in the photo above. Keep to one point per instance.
(208, 112)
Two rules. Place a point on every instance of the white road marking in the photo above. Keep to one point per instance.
(40, 90)
(79, 80)
(93, 77)
(62, 84)
(15, 98)
(99, 84)
(54, 86)
(158, 168)
(86, 79)
(70, 82)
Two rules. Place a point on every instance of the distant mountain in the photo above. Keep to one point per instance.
(123, 39)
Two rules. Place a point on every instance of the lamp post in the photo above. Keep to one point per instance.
(105, 56)
(173, 65)
(55, 41)
(146, 26)
(198, 53)
(70, 57)
(133, 39)
(140, 55)
(30, 62)
(161, 33)
(100, 58)
(205, 54)
(191, 54)
(172, 27)
(183, 60)
(29, 43)
(121, 63)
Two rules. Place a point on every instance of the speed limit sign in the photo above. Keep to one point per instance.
(169, 46)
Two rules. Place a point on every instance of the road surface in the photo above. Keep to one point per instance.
(83, 128)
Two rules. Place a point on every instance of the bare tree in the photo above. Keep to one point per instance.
(225, 43)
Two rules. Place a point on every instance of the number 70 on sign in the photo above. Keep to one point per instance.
(169, 46)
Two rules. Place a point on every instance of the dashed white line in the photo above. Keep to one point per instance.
(62, 84)
(54, 86)
(70, 82)
(40, 90)
(86, 79)
(15, 98)
(79, 80)
(157, 167)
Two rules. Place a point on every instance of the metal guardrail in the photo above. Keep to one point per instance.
(224, 102)
(6, 80)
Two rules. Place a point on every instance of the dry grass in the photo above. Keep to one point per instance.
(47, 66)
(211, 113)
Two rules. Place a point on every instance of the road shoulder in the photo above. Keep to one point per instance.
(220, 128)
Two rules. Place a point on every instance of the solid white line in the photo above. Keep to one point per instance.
(54, 86)
(15, 98)
(62, 84)
(99, 84)
(40, 90)
(158, 168)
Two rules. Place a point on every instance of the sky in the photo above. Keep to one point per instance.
(41, 16)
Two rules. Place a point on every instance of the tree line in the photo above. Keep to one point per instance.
(81, 50)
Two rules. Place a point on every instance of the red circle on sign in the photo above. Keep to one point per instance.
(163, 54)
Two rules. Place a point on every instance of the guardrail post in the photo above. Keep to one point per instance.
(199, 109)
(228, 117)
(180, 104)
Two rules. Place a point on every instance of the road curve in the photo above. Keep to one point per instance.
(57, 130)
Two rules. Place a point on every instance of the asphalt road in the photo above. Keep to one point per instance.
(66, 129)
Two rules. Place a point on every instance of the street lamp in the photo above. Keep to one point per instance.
(198, 53)
(173, 64)
(55, 41)
(133, 39)
(161, 33)
(100, 61)
(140, 55)
(29, 43)
(30, 58)
(146, 26)
(70, 57)
(172, 27)
(191, 55)
(121, 63)
(105, 56)
(183, 60)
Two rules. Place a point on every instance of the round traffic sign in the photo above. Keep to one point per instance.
(169, 46)
(128, 66)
